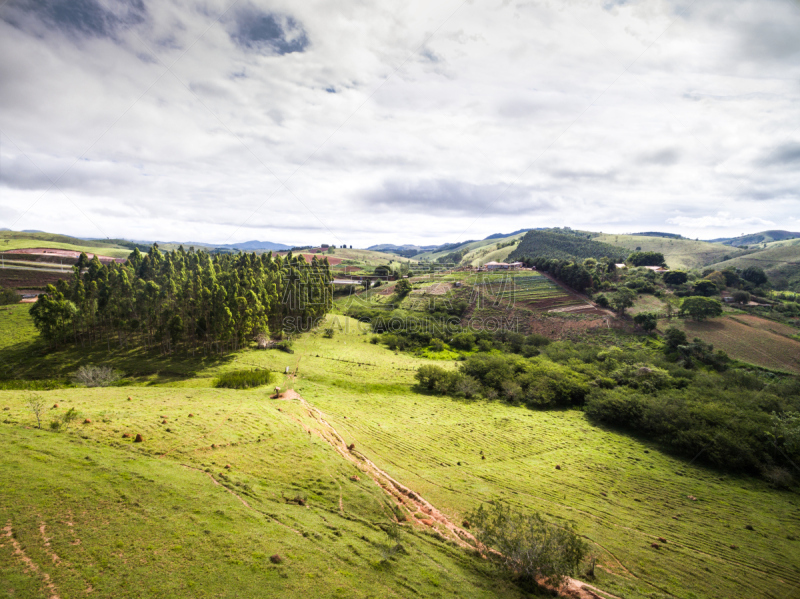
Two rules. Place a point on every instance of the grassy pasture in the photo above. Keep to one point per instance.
(622, 492)
(678, 253)
(748, 338)
(471, 247)
(12, 240)
(166, 518)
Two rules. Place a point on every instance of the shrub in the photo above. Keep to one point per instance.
(428, 375)
(526, 545)
(96, 376)
(243, 379)
(285, 346)
(741, 297)
(8, 296)
(646, 320)
(465, 341)
(675, 338)
(675, 277)
(467, 386)
(329, 333)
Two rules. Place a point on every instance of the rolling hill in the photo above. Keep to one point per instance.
(758, 238)
(678, 253)
(470, 246)
(564, 245)
(780, 261)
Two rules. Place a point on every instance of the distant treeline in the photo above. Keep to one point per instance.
(564, 246)
(213, 302)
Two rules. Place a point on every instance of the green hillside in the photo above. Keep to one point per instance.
(225, 479)
(14, 240)
(470, 247)
(760, 238)
(564, 246)
(780, 261)
(678, 253)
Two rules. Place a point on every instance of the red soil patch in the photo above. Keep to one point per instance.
(309, 257)
(62, 254)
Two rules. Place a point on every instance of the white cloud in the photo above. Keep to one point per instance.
(400, 119)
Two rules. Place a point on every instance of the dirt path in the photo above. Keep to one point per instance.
(30, 565)
(414, 504)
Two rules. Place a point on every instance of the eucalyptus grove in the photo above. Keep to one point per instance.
(181, 298)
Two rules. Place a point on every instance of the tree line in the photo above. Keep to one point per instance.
(191, 298)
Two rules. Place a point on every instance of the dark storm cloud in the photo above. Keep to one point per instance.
(786, 155)
(89, 18)
(448, 196)
(268, 32)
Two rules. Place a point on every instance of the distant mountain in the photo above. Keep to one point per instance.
(756, 238)
(246, 246)
(389, 247)
(499, 235)
(254, 246)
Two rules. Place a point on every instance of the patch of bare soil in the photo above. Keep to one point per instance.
(63, 254)
(30, 565)
(411, 502)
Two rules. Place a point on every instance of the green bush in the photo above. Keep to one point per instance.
(8, 296)
(526, 545)
(243, 379)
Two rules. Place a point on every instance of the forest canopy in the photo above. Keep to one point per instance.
(194, 298)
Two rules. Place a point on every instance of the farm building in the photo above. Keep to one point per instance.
(656, 268)
(503, 265)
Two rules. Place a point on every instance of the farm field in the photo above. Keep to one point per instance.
(29, 278)
(678, 253)
(748, 338)
(11, 240)
(646, 303)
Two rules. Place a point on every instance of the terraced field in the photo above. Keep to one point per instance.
(528, 289)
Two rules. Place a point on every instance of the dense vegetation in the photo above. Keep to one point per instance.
(8, 296)
(564, 246)
(183, 297)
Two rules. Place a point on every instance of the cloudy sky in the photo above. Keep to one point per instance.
(406, 121)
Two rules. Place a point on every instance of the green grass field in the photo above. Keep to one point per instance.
(166, 518)
(472, 248)
(678, 253)
(13, 240)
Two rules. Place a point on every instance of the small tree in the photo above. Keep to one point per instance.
(526, 544)
(646, 320)
(622, 299)
(755, 275)
(675, 277)
(741, 297)
(705, 287)
(700, 308)
(403, 287)
(675, 338)
(36, 404)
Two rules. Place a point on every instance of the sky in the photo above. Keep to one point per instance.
(408, 121)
